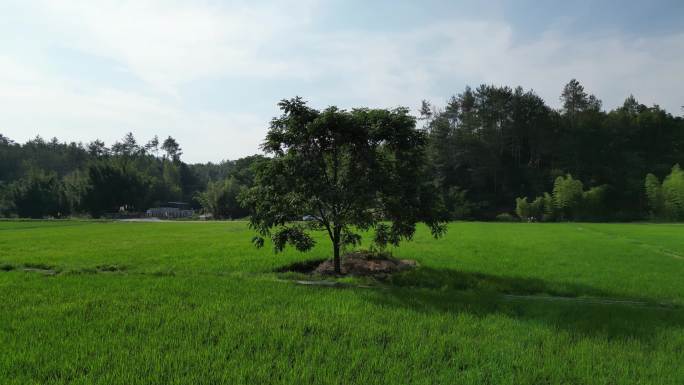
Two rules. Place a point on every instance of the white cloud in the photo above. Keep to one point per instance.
(402, 68)
(405, 67)
(612, 67)
(169, 45)
(33, 104)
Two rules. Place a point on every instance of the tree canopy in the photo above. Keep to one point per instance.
(347, 171)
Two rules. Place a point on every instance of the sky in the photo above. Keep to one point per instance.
(210, 73)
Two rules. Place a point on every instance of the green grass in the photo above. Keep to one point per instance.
(195, 303)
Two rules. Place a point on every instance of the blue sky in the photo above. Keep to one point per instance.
(210, 73)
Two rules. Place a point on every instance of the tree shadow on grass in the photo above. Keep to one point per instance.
(574, 308)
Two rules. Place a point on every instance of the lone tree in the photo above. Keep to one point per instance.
(346, 171)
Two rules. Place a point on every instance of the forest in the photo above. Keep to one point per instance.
(494, 152)
(54, 179)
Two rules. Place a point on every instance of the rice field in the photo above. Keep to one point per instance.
(85, 302)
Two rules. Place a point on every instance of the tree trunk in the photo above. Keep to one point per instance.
(336, 256)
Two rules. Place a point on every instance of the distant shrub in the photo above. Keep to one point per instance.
(673, 194)
(654, 195)
(6, 204)
(37, 195)
(537, 209)
(458, 205)
(530, 211)
(593, 202)
(220, 199)
(506, 217)
(569, 201)
(522, 208)
(548, 207)
(666, 200)
(567, 196)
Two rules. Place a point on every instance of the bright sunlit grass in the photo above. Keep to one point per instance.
(195, 303)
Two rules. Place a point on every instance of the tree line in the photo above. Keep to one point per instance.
(56, 179)
(492, 151)
(493, 147)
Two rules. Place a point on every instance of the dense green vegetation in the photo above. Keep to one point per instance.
(491, 303)
(487, 147)
(493, 144)
(51, 179)
(356, 170)
(568, 201)
(666, 200)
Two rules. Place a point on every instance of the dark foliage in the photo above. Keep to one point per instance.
(51, 179)
(497, 144)
(346, 171)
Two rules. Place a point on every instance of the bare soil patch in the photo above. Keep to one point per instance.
(355, 264)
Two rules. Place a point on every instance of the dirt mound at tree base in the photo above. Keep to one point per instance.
(364, 264)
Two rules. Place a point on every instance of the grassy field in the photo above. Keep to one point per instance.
(195, 303)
